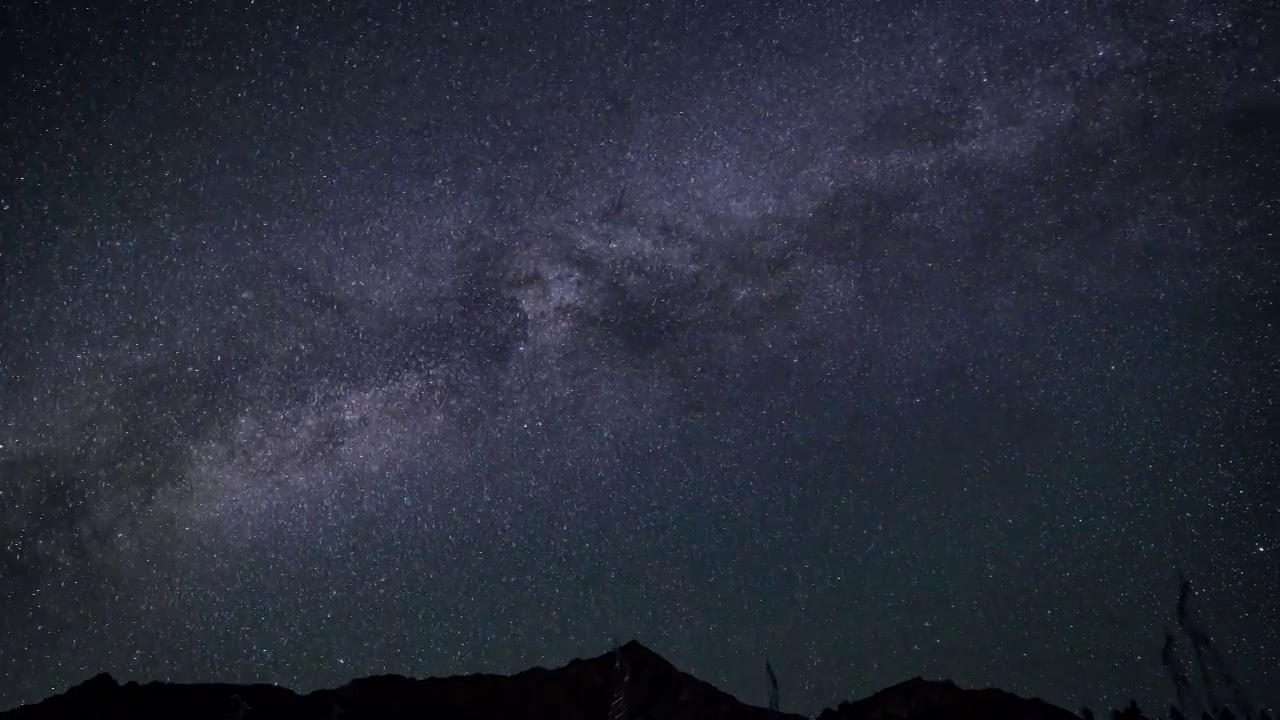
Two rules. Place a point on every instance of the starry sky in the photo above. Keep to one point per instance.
(424, 338)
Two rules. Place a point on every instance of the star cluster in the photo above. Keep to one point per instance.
(880, 342)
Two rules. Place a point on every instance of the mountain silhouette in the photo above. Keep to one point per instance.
(630, 683)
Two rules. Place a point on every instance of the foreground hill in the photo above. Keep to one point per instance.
(633, 682)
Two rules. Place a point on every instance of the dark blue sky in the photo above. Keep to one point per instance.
(882, 342)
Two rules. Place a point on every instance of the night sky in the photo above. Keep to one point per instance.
(431, 338)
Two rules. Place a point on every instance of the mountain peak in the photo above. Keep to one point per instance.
(643, 685)
(919, 698)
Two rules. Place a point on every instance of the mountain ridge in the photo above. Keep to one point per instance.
(631, 682)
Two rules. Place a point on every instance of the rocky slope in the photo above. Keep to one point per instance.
(582, 690)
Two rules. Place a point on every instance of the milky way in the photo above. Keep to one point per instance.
(879, 343)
